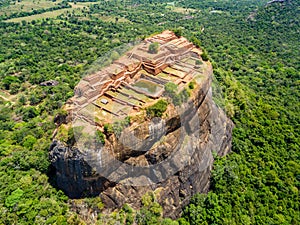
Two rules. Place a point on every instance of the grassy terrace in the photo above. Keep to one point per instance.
(88, 111)
(174, 72)
(112, 93)
(112, 106)
(179, 67)
(130, 92)
(128, 99)
(191, 61)
(93, 112)
(103, 115)
(99, 115)
(124, 98)
(137, 93)
(167, 77)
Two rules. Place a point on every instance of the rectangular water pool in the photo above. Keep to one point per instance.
(148, 87)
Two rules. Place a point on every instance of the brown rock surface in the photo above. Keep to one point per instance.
(171, 156)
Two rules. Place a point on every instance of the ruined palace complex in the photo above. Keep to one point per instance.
(98, 151)
(137, 78)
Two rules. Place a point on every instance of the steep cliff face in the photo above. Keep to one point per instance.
(76, 175)
(192, 176)
(170, 155)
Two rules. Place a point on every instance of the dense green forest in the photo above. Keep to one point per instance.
(255, 51)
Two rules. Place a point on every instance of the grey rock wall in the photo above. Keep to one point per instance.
(170, 156)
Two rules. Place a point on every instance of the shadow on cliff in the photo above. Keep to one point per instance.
(73, 176)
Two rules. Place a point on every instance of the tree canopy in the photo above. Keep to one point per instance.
(254, 49)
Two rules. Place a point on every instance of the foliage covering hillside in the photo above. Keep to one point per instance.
(259, 182)
(256, 62)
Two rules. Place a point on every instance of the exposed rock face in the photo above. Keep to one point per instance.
(75, 176)
(49, 83)
(171, 156)
(273, 1)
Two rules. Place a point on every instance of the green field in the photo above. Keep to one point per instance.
(27, 6)
(52, 14)
(111, 18)
(183, 10)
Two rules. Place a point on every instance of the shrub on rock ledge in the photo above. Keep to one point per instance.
(157, 109)
(153, 48)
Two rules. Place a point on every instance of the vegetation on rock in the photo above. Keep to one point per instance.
(171, 90)
(157, 109)
(153, 48)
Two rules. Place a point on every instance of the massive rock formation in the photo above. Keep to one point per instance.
(170, 155)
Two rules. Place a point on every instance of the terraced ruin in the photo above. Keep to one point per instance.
(137, 79)
(121, 150)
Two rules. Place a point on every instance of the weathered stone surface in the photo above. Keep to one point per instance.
(78, 178)
(171, 155)
(49, 83)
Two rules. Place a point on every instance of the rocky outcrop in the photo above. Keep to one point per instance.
(171, 155)
(191, 177)
(49, 83)
(176, 166)
(274, 1)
